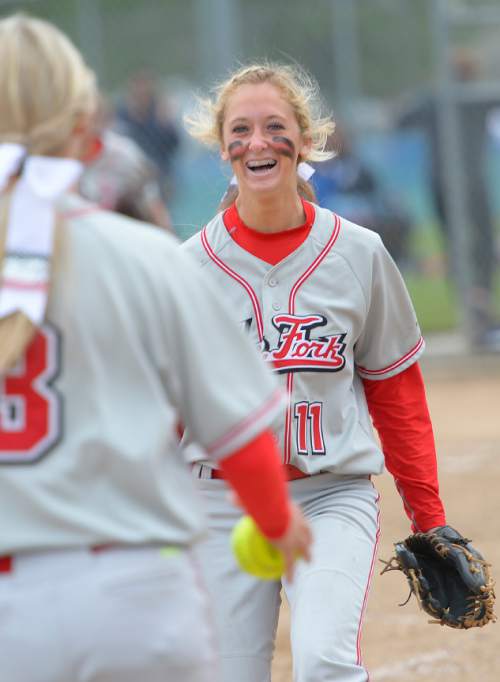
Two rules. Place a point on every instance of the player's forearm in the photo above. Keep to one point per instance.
(256, 474)
(421, 502)
(398, 407)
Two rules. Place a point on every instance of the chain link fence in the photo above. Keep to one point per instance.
(415, 87)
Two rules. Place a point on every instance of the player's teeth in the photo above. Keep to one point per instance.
(262, 164)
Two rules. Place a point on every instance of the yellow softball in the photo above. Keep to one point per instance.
(254, 553)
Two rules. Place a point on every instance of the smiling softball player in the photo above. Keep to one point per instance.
(325, 303)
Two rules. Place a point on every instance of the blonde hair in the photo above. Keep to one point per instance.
(45, 87)
(16, 329)
(297, 87)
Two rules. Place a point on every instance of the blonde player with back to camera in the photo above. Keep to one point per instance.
(109, 337)
(327, 306)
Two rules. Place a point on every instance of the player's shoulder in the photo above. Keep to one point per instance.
(360, 249)
(87, 221)
(120, 246)
(212, 235)
(193, 244)
(349, 236)
(354, 236)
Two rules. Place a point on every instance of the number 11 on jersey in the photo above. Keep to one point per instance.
(309, 428)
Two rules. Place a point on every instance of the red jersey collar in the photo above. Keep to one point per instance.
(269, 247)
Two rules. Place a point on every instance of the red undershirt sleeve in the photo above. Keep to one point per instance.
(257, 476)
(398, 408)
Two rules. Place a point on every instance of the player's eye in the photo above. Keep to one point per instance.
(239, 129)
(276, 125)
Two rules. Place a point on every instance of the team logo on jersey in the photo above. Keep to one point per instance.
(298, 352)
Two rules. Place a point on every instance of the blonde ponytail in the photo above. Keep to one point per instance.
(44, 86)
(16, 329)
(45, 90)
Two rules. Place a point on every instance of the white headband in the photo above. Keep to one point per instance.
(304, 171)
(29, 240)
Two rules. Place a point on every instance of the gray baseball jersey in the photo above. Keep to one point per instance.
(135, 342)
(332, 312)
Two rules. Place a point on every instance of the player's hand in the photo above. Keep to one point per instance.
(296, 542)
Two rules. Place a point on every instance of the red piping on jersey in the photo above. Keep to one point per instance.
(368, 585)
(229, 271)
(288, 418)
(208, 616)
(291, 309)
(396, 364)
(246, 423)
(77, 212)
(314, 264)
(17, 284)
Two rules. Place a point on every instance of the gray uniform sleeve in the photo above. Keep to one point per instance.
(391, 339)
(224, 393)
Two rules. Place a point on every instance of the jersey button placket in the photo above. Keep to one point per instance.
(270, 297)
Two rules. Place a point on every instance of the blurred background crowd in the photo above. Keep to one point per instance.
(413, 84)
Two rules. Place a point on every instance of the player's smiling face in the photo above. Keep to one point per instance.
(262, 138)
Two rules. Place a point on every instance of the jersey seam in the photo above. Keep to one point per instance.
(346, 261)
(206, 258)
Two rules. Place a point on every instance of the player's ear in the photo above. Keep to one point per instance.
(305, 148)
(223, 154)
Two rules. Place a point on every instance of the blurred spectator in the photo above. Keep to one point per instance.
(346, 185)
(144, 117)
(119, 176)
(422, 114)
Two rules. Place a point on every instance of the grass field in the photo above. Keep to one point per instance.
(434, 296)
(435, 302)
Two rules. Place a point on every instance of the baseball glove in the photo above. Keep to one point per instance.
(449, 578)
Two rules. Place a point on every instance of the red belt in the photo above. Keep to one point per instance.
(5, 564)
(6, 561)
(292, 473)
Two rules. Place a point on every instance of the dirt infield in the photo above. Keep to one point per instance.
(398, 643)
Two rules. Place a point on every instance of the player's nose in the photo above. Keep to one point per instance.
(257, 141)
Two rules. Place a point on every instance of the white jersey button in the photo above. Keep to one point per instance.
(273, 282)
(276, 306)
